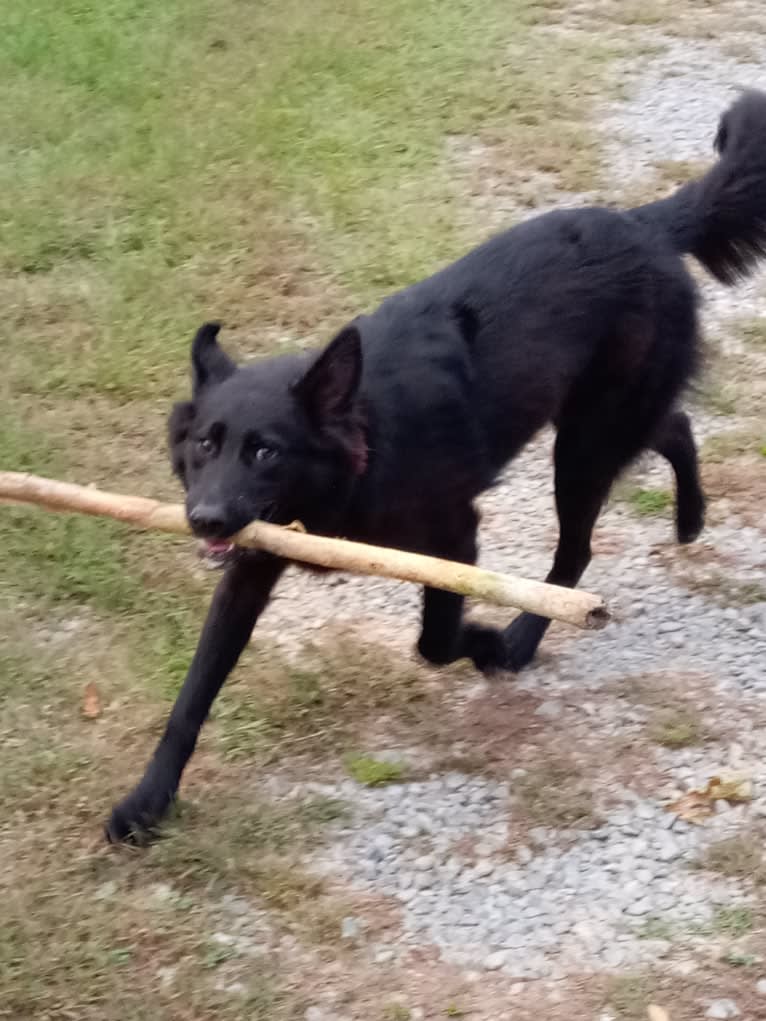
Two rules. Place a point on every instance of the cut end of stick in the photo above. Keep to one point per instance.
(597, 618)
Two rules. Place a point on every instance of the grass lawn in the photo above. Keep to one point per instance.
(277, 165)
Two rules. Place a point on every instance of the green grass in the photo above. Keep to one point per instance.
(650, 502)
(732, 443)
(555, 793)
(657, 927)
(396, 1012)
(739, 960)
(720, 586)
(319, 704)
(165, 165)
(280, 166)
(374, 772)
(678, 727)
(739, 857)
(453, 1010)
(138, 912)
(98, 958)
(258, 849)
(629, 995)
(732, 921)
(57, 564)
(753, 332)
(643, 14)
(721, 396)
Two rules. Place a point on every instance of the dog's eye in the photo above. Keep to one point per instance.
(205, 444)
(266, 454)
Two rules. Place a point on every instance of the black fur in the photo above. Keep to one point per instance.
(585, 318)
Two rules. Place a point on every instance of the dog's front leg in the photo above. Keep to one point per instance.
(240, 598)
(445, 637)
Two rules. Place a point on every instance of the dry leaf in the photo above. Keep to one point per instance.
(657, 1013)
(734, 789)
(91, 702)
(696, 806)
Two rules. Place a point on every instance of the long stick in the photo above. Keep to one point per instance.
(579, 608)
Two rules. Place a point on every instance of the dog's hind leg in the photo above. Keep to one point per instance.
(240, 598)
(675, 442)
(593, 445)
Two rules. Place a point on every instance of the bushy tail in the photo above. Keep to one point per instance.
(721, 219)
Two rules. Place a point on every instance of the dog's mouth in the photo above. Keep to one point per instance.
(217, 553)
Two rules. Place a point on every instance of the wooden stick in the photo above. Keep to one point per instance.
(579, 608)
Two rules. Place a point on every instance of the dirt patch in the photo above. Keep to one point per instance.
(738, 487)
(492, 726)
(425, 988)
(710, 571)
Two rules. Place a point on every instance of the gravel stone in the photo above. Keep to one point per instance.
(350, 928)
(167, 975)
(640, 907)
(722, 1009)
(549, 710)
(613, 957)
(496, 960)
(454, 782)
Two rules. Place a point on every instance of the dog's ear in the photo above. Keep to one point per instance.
(210, 363)
(180, 418)
(329, 387)
(179, 422)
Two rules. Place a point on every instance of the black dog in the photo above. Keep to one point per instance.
(585, 318)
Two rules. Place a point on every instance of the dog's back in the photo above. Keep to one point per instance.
(470, 363)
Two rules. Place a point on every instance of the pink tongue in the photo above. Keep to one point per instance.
(218, 546)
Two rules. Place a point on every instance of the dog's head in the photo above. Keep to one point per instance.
(282, 439)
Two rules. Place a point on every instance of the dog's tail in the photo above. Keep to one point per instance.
(721, 218)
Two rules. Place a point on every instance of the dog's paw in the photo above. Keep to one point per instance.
(136, 819)
(435, 650)
(521, 639)
(690, 519)
(485, 646)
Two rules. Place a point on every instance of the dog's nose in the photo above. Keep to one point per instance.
(208, 521)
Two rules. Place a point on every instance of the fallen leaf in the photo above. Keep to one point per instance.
(694, 807)
(657, 1013)
(734, 789)
(91, 702)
